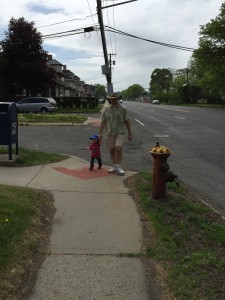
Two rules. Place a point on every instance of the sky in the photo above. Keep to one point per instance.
(173, 22)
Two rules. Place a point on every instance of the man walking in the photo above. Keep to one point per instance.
(114, 120)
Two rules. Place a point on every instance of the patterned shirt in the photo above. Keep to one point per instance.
(114, 119)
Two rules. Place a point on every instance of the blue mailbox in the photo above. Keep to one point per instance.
(9, 126)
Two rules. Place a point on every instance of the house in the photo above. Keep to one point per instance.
(66, 83)
(58, 86)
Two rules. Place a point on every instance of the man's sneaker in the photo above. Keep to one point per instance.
(119, 170)
(112, 169)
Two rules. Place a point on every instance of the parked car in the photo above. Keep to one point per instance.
(101, 101)
(120, 101)
(37, 104)
(155, 102)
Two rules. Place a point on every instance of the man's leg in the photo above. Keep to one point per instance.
(115, 153)
(118, 155)
(112, 152)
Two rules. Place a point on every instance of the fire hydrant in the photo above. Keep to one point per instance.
(161, 171)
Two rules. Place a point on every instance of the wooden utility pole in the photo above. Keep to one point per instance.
(106, 67)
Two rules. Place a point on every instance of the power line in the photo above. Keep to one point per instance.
(79, 57)
(147, 40)
(93, 20)
(77, 19)
(63, 32)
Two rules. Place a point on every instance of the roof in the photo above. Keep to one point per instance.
(54, 62)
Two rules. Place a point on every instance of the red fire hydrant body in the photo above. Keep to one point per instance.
(161, 172)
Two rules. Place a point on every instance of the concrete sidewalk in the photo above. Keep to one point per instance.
(95, 221)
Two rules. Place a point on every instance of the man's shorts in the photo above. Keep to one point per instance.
(113, 141)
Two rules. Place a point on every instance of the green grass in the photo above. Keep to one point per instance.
(81, 110)
(51, 118)
(213, 106)
(19, 208)
(28, 157)
(25, 219)
(190, 242)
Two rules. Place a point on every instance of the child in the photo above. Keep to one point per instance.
(95, 152)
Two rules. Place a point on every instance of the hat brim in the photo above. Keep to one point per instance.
(114, 98)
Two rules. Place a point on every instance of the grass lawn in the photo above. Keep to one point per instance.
(25, 219)
(28, 157)
(64, 115)
(51, 118)
(188, 240)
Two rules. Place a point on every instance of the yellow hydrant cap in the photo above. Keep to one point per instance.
(157, 149)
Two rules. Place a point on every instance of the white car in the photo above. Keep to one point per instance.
(155, 102)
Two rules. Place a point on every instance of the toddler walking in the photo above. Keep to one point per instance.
(95, 152)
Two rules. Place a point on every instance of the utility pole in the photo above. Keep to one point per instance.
(106, 69)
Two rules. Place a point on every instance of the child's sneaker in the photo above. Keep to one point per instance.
(119, 170)
(112, 169)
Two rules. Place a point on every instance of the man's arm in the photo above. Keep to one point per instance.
(102, 126)
(127, 122)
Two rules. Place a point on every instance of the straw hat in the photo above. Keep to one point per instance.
(114, 96)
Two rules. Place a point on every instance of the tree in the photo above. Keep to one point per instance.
(160, 82)
(133, 92)
(24, 62)
(100, 91)
(209, 57)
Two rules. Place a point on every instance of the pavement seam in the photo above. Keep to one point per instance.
(87, 192)
(120, 254)
(42, 167)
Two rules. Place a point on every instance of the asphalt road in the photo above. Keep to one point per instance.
(196, 138)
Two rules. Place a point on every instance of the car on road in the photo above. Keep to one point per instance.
(101, 101)
(155, 102)
(37, 104)
(120, 101)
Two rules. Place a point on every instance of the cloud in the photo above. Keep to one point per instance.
(170, 21)
(38, 8)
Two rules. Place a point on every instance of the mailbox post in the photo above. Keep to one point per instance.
(9, 126)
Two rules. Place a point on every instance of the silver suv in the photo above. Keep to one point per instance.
(37, 104)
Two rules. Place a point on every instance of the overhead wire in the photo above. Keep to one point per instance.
(107, 12)
(94, 22)
(114, 25)
(77, 19)
(63, 34)
(148, 40)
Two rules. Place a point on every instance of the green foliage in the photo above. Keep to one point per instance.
(160, 83)
(133, 92)
(205, 73)
(209, 57)
(23, 61)
(100, 91)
